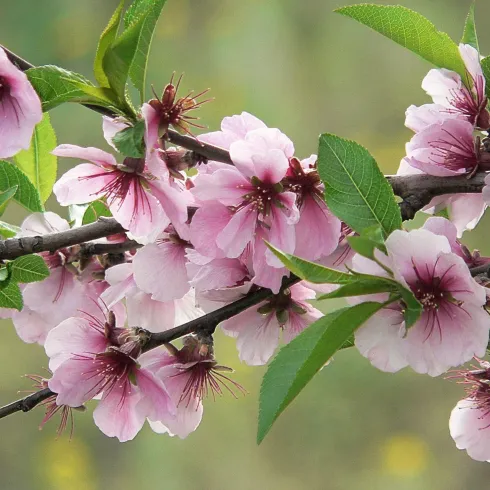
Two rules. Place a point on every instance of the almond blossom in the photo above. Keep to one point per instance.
(469, 423)
(93, 358)
(20, 108)
(452, 96)
(259, 328)
(62, 293)
(137, 198)
(453, 326)
(242, 205)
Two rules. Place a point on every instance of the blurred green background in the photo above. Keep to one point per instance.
(302, 68)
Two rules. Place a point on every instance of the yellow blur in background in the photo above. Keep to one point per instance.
(301, 68)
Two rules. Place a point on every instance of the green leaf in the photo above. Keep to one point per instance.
(26, 195)
(11, 297)
(413, 308)
(37, 162)
(94, 211)
(28, 268)
(485, 65)
(366, 285)
(310, 271)
(150, 11)
(5, 198)
(297, 362)
(469, 34)
(412, 31)
(7, 230)
(4, 274)
(130, 140)
(355, 189)
(106, 39)
(55, 86)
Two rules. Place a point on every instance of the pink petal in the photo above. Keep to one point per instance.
(75, 335)
(82, 184)
(317, 231)
(20, 109)
(117, 414)
(144, 312)
(152, 122)
(42, 223)
(91, 154)
(154, 262)
(469, 427)
(111, 126)
(238, 232)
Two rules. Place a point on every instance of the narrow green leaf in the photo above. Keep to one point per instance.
(5, 198)
(372, 285)
(310, 271)
(55, 86)
(355, 189)
(11, 297)
(150, 10)
(363, 246)
(411, 30)
(28, 268)
(413, 308)
(38, 163)
(7, 230)
(485, 64)
(469, 34)
(26, 195)
(297, 362)
(130, 141)
(106, 39)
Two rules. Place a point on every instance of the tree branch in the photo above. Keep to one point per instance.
(15, 247)
(204, 325)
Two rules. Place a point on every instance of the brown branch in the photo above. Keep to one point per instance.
(418, 190)
(204, 325)
(15, 247)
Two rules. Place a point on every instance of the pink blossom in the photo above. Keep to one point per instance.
(59, 296)
(453, 326)
(451, 95)
(446, 148)
(469, 423)
(140, 202)
(318, 230)
(190, 375)
(254, 193)
(20, 108)
(164, 259)
(142, 310)
(258, 329)
(98, 359)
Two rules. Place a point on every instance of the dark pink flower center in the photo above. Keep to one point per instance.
(435, 293)
(119, 186)
(302, 183)
(455, 153)
(262, 196)
(109, 370)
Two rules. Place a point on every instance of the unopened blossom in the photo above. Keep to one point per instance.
(93, 358)
(259, 328)
(469, 423)
(20, 108)
(137, 198)
(190, 375)
(453, 326)
(242, 205)
(170, 110)
(317, 230)
(453, 96)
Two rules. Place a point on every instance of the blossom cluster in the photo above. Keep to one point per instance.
(201, 243)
